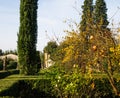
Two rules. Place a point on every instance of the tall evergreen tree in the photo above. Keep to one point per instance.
(86, 22)
(85, 28)
(87, 15)
(27, 37)
(100, 14)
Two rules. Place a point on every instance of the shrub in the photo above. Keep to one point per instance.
(38, 88)
(12, 65)
(75, 85)
(1, 65)
(4, 74)
(67, 87)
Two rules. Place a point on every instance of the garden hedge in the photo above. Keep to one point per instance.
(4, 74)
(43, 88)
(30, 88)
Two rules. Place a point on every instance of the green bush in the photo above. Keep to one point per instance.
(4, 74)
(12, 65)
(38, 88)
(67, 87)
(75, 85)
(1, 65)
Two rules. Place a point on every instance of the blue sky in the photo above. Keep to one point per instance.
(51, 17)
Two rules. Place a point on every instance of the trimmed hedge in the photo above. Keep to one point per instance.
(1, 65)
(38, 88)
(43, 88)
(4, 74)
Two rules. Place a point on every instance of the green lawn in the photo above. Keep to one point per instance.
(6, 83)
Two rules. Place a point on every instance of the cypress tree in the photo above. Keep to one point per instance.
(87, 15)
(100, 14)
(85, 29)
(27, 37)
(86, 22)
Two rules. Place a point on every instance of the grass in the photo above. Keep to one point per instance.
(5, 84)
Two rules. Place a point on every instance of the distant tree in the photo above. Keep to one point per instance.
(100, 14)
(1, 52)
(51, 48)
(27, 37)
(10, 52)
